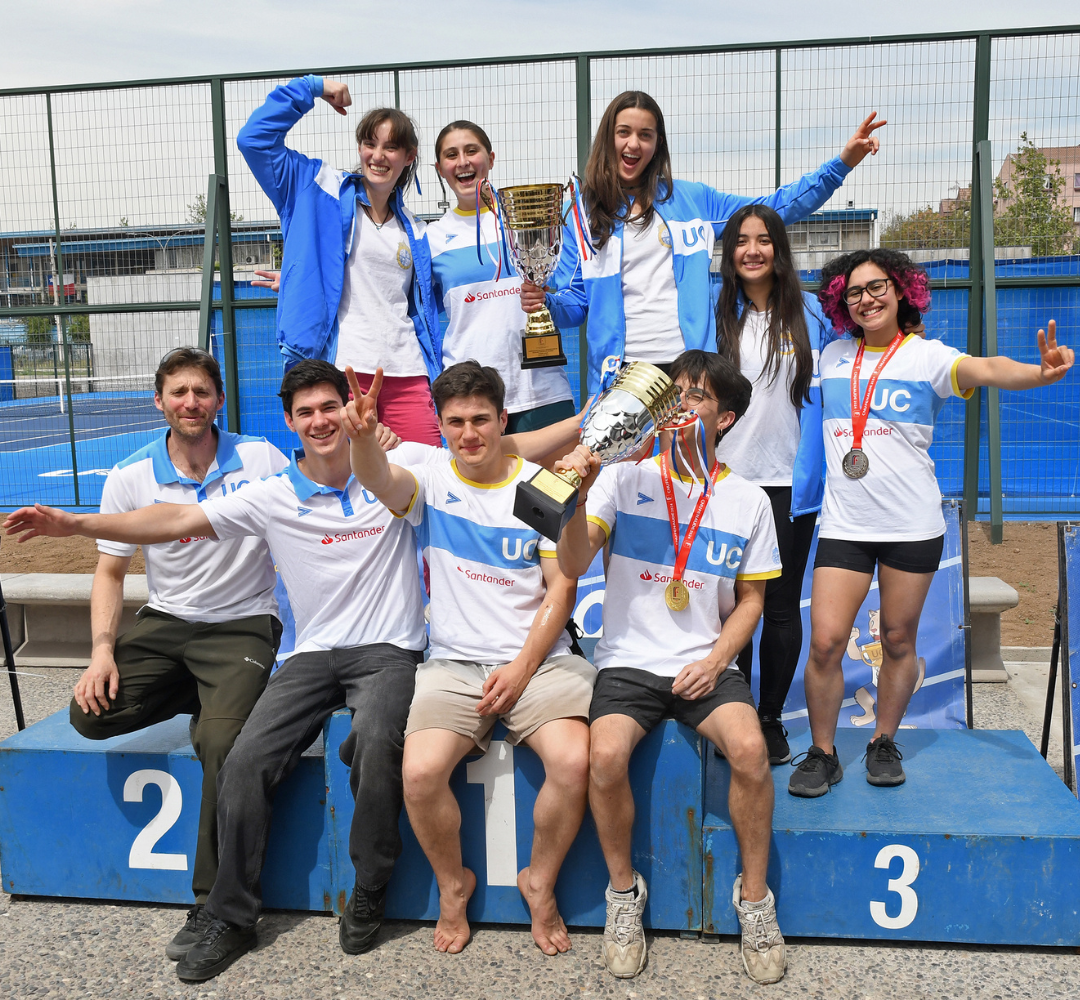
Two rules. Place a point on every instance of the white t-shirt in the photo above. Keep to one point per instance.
(198, 579)
(349, 566)
(374, 327)
(484, 317)
(650, 298)
(486, 581)
(898, 499)
(736, 541)
(761, 446)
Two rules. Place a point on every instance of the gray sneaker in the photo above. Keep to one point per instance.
(763, 952)
(624, 937)
(815, 773)
(883, 762)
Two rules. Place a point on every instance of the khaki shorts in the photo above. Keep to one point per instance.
(448, 691)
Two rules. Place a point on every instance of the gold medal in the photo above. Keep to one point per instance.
(677, 595)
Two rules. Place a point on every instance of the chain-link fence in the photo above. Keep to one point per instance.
(104, 197)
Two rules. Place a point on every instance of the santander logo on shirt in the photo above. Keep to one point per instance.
(348, 536)
(664, 578)
(494, 293)
(194, 538)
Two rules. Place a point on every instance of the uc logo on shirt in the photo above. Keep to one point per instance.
(404, 257)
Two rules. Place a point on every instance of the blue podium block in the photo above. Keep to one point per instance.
(117, 818)
(980, 845)
(497, 793)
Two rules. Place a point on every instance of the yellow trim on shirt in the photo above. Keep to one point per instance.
(771, 575)
(957, 391)
(412, 499)
(602, 523)
(468, 214)
(489, 486)
(547, 554)
(882, 350)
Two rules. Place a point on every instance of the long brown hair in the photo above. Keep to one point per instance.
(786, 316)
(606, 199)
(402, 132)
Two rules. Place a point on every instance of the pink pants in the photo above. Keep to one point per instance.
(406, 407)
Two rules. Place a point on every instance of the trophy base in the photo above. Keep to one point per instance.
(546, 503)
(541, 344)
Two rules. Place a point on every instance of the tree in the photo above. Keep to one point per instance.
(78, 328)
(1030, 211)
(927, 229)
(40, 330)
(197, 212)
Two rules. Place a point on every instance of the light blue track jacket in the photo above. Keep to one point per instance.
(695, 215)
(317, 207)
(808, 476)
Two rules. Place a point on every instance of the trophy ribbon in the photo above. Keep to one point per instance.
(855, 463)
(676, 593)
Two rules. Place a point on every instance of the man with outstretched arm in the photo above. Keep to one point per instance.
(499, 646)
(350, 571)
(677, 611)
(205, 641)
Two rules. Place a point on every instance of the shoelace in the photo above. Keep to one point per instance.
(214, 931)
(760, 933)
(624, 924)
(810, 759)
(884, 751)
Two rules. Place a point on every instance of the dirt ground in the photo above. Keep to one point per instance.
(1027, 560)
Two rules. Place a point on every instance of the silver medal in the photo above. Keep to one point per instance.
(855, 464)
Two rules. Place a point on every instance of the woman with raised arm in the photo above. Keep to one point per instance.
(881, 391)
(355, 285)
(774, 332)
(484, 318)
(646, 291)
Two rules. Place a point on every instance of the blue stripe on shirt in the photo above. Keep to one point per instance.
(648, 539)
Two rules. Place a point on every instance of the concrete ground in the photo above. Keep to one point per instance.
(52, 948)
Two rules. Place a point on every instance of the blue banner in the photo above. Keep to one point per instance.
(1069, 602)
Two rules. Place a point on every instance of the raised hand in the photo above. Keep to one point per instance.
(29, 522)
(272, 280)
(359, 416)
(584, 463)
(863, 141)
(1055, 359)
(336, 95)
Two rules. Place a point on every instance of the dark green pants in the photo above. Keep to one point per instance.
(540, 416)
(169, 667)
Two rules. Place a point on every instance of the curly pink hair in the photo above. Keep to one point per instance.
(911, 282)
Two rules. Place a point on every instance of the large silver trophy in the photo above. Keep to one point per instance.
(640, 402)
(533, 223)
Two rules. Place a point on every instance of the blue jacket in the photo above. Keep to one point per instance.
(808, 476)
(695, 215)
(317, 206)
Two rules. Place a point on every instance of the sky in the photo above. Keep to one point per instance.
(65, 42)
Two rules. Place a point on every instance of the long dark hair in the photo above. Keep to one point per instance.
(787, 320)
(606, 199)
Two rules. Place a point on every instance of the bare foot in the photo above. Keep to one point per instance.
(452, 929)
(548, 929)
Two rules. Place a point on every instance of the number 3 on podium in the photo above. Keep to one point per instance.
(909, 901)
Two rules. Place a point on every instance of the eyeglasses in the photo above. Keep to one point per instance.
(696, 396)
(854, 293)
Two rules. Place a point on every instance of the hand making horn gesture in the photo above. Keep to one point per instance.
(1054, 360)
(359, 416)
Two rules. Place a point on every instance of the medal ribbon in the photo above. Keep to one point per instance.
(683, 552)
(861, 410)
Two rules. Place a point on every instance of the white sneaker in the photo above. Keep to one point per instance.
(624, 937)
(763, 953)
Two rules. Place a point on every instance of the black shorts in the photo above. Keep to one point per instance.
(860, 557)
(647, 697)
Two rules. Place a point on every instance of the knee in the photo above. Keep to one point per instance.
(214, 739)
(826, 649)
(897, 642)
(608, 764)
(746, 753)
(88, 725)
(421, 778)
(569, 769)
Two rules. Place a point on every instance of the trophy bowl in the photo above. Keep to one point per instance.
(532, 214)
(640, 402)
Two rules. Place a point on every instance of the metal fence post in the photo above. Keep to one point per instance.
(58, 290)
(224, 228)
(980, 132)
(779, 111)
(993, 408)
(206, 299)
(584, 143)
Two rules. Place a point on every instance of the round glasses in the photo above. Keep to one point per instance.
(876, 288)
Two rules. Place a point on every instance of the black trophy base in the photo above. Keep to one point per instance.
(546, 503)
(542, 352)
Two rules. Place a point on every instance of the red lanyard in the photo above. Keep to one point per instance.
(860, 411)
(683, 552)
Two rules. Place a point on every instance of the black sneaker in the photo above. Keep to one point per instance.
(362, 919)
(191, 933)
(221, 945)
(883, 762)
(775, 739)
(816, 772)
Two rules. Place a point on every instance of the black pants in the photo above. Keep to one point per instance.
(169, 667)
(781, 624)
